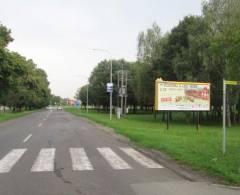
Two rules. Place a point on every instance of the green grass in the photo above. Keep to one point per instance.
(4, 116)
(199, 149)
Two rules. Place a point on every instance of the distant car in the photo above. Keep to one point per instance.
(59, 108)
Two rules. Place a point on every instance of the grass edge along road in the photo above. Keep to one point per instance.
(199, 149)
(5, 116)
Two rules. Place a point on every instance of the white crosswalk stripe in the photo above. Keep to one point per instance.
(140, 158)
(45, 160)
(7, 162)
(80, 160)
(113, 159)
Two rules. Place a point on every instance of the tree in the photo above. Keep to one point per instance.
(22, 84)
(5, 36)
(148, 44)
(100, 77)
(5, 70)
(142, 83)
(82, 95)
(222, 17)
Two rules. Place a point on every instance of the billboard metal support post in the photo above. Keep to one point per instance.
(198, 120)
(167, 120)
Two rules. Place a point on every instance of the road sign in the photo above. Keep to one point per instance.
(225, 83)
(109, 87)
(122, 91)
(78, 103)
(232, 82)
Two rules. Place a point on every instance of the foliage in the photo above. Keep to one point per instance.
(98, 80)
(201, 48)
(22, 84)
(13, 115)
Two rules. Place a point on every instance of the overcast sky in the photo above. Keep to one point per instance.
(59, 35)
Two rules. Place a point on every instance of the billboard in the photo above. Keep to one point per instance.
(182, 96)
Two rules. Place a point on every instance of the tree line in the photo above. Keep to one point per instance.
(201, 48)
(22, 83)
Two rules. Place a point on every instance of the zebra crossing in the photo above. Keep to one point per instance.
(44, 161)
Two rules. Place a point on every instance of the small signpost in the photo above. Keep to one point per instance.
(78, 103)
(109, 87)
(225, 83)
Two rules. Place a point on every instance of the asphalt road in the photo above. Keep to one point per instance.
(57, 153)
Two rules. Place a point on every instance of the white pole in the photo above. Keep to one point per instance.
(122, 112)
(87, 98)
(111, 91)
(224, 117)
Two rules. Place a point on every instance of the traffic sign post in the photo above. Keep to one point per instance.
(109, 87)
(225, 83)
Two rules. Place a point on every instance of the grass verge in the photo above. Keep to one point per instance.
(4, 116)
(199, 149)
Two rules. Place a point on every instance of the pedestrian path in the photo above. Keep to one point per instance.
(79, 159)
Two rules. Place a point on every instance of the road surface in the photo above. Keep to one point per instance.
(57, 153)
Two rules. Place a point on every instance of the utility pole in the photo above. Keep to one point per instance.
(122, 90)
(126, 95)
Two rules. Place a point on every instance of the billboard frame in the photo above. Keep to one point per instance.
(159, 80)
(178, 82)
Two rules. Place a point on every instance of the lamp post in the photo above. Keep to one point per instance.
(110, 102)
(87, 97)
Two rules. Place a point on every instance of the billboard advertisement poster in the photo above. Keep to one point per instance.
(182, 96)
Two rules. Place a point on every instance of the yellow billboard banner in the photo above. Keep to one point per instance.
(182, 96)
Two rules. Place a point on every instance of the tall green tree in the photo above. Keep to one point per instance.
(22, 84)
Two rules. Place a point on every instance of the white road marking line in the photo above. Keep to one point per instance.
(80, 160)
(45, 160)
(7, 162)
(113, 159)
(141, 159)
(44, 119)
(27, 138)
(40, 124)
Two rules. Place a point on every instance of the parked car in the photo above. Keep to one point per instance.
(59, 108)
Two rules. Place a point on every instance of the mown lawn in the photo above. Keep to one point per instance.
(199, 149)
(4, 116)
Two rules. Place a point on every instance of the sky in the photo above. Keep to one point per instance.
(60, 35)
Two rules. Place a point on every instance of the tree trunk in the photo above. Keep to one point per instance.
(163, 116)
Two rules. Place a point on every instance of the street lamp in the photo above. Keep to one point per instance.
(87, 97)
(110, 103)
